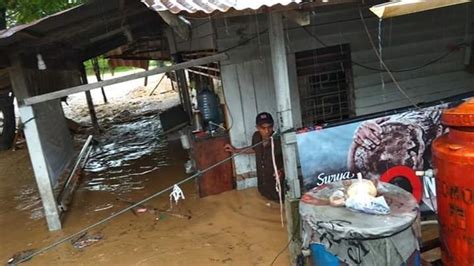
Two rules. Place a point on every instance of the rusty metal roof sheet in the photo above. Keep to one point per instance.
(11, 31)
(209, 6)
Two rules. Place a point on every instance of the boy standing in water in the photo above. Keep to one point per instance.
(263, 156)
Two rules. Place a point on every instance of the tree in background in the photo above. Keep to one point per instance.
(15, 12)
(3, 14)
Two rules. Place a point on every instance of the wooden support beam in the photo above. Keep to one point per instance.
(88, 87)
(285, 121)
(90, 103)
(96, 67)
(283, 98)
(183, 86)
(92, 113)
(145, 82)
(172, 47)
(204, 74)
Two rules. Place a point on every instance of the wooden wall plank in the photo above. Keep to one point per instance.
(421, 90)
(408, 41)
(238, 133)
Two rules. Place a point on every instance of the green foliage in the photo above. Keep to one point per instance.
(104, 67)
(25, 11)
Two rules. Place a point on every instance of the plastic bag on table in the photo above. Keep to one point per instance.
(368, 204)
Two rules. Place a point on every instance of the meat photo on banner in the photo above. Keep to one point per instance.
(384, 147)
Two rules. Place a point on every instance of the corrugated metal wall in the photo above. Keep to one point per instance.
(408, 41)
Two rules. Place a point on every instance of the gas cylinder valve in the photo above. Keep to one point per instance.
(427, 173)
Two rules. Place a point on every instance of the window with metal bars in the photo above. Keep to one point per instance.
(325, 84)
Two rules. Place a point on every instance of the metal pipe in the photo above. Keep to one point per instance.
(67, 188)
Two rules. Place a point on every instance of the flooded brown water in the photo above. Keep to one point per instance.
(233, 228)
(126, 152)
(132, 161)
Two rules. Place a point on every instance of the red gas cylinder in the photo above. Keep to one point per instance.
(453, 156)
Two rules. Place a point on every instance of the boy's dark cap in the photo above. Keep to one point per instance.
(264, 118)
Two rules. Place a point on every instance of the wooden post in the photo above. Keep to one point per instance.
(40, 168)
(96, 67)
(285, 121)
(180, 75)
(177, 89)
(90, 103)
(157, 84)
(92, 113)
(183, 86)
(146, 77)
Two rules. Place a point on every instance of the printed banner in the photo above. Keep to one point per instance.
(371, 147)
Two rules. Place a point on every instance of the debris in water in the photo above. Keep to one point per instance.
(133, 210)
(178, 215)
(158, 214)
(103, 207)
(142, 210)
(86, 240)
(20, 256)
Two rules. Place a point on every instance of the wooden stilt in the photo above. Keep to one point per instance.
(285, 121)
(90, 103)
(95, 66)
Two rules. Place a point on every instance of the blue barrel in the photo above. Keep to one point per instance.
(321, 256)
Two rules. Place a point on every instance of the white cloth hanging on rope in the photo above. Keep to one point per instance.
(175, 195)
(277, 179)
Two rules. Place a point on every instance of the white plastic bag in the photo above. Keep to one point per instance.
(367, 204)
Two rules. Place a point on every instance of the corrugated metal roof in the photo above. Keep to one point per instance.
(209, 6)
(11, 31)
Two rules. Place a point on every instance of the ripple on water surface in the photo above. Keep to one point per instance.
(125, 153)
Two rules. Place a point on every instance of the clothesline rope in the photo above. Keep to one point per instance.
(277, 180)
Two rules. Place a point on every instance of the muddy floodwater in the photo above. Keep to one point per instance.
(233, 228)
(125, 153)
(131, 161)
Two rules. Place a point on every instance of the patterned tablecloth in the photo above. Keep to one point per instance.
(357, 238)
